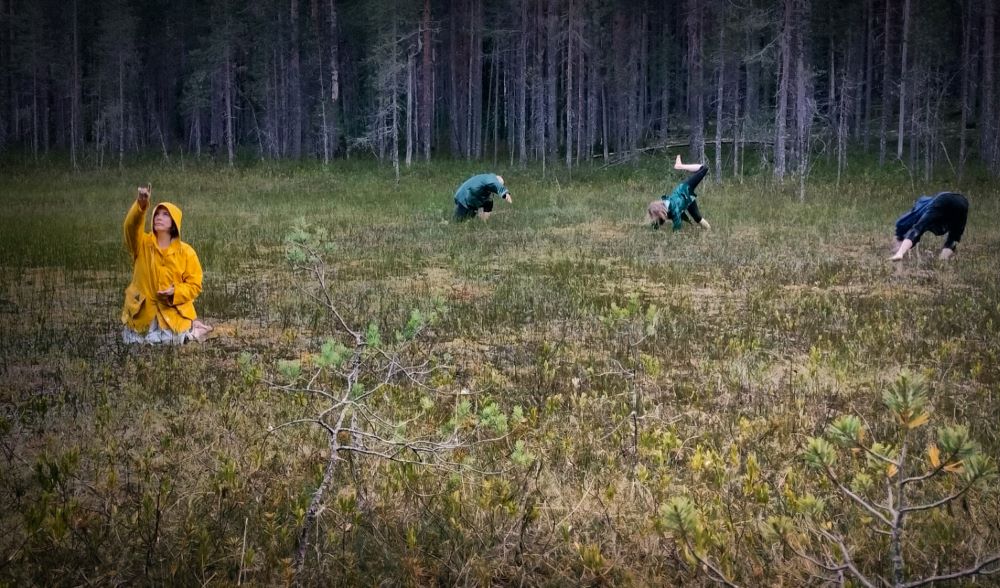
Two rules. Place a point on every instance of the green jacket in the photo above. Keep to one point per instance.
(478, 190)
(678, 201)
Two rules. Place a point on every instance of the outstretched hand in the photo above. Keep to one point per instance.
(508, 198)
(143, 198)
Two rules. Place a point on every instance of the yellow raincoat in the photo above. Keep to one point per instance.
(158, 269)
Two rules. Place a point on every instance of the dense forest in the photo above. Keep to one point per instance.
(775, 82)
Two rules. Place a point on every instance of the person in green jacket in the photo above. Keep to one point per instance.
(477, 193)
(682, 203)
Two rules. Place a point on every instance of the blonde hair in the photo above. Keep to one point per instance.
(656, 213)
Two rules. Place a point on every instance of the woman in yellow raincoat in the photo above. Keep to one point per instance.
(166, 278)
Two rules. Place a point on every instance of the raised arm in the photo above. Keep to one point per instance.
(134, 220)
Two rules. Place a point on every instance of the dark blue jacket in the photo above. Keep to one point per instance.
(946, 212)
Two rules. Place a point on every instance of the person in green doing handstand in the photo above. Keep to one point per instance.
(682, 203)
(477, 193)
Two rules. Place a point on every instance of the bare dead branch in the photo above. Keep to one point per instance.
(970, 571)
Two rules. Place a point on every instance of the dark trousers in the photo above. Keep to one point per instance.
(694, 179)
(463, 212)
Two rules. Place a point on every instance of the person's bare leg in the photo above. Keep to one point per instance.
(905, 246)
(691, 167)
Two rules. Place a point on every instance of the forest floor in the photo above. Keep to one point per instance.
(596, 369)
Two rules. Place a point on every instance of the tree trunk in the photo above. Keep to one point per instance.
(719, 94)
(738, 125)
(886, 84)
(121, 111)
(569, 86)
(334, 122)
(75, 89)
(841, 117)
(966, 64)
(496, 101)
(294, 83)
(784, 80)
(521, 92)
(553, 29)
(426, 83)
(410, 66)
(696, 94)
(393, 88)
(228, 93)
(642, 83)
(869, 67)
(903, 74)
(989, 141)
(803, 87)
(477, 77)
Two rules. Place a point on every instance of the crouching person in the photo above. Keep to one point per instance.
(476, 194)
(946, 212)
(166, 278)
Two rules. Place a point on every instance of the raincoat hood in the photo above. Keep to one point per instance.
(175, 213)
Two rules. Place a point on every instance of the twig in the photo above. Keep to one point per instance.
(970, 571)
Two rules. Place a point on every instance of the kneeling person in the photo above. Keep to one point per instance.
(166, 278)
(477, 193)
(946, 212)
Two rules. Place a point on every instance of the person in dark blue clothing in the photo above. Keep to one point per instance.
(946, 212)
(477, 193)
